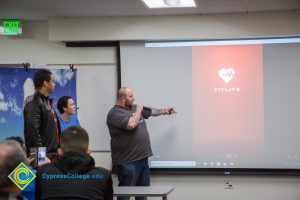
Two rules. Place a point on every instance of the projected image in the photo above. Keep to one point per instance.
(228, 116)
(16, 84)
(237, 101)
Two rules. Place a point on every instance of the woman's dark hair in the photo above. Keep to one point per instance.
(62, 103)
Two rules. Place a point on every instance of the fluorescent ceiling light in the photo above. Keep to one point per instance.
(270, 40)
(169, 3)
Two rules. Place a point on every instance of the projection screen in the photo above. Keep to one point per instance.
(237, 101)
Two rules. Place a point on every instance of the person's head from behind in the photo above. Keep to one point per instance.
(125, 97)
(11, 155)
(74, 139)
(17, 139)
(44, 80)
(65, 104)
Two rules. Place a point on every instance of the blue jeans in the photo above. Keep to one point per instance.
(134, 174)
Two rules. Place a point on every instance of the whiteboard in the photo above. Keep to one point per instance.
(96, 94)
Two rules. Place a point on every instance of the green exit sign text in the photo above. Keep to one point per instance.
(10, 27)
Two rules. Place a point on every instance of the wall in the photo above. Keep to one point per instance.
(175, 27)
(34, 46)
(96, 80)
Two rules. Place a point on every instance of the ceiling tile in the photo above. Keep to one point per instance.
(43, 9)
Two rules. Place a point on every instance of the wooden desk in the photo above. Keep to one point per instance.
(139, 191)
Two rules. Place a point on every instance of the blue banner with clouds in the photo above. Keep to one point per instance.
(16, 84)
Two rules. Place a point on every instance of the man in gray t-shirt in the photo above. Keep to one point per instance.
(130, 142)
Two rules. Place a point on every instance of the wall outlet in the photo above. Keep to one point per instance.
(228, 184)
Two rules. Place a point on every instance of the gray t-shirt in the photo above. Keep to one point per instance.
(128, 145)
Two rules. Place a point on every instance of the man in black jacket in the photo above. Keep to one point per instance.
(74, 176)
(41, 128)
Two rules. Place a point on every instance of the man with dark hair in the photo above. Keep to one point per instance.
(74, 176)
(11, 155)
(67, 110)
(130, 142)
(41, 127)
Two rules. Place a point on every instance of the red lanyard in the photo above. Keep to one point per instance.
(55, 120)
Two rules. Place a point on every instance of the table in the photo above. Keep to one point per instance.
(138, 191)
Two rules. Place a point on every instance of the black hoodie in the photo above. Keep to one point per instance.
(74, 177)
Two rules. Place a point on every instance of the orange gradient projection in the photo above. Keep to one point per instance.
(228, 117)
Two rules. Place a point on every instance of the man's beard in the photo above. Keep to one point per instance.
(130, 105)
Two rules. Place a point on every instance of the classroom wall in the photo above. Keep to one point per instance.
(96, 74)
(34, 46)
(175, 27)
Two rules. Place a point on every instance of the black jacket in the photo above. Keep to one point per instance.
(39, 124)
(10, 196)
(64, 179)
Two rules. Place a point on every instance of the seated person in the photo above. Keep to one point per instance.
(74, 176)
(11, 155)
(29, 191)
(67, 110)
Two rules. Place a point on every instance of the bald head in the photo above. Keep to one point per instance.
(125, 97)
(122, 92)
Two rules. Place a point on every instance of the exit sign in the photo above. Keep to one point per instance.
(10, 27)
